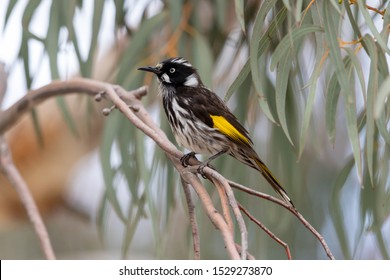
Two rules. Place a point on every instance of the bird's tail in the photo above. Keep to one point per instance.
(260, 166)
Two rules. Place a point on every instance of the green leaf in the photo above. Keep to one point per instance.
(29, 11)
(309, 104)
(175, 12)
(203, 58)
(331, 32)
(287, 5)
(52, 38)
(381, 124)
(37, 127)
(241, 77)
(352, 58)
(336, 210)
(372, 90)
(263, 45)
(120, 12)
(127, 149)
(298, 10)
(67, 115)
(138, 42)
(239, 8)
(291, 40)
(10, 8)
(354, 24)
(282, 79)
(257, 45)
(110, 131)
(131, 226)
(220, 9)
(383, 94)
(96, 22)
(368, 20)
(332, 98)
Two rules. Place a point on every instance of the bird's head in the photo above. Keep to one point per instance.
(176, 72)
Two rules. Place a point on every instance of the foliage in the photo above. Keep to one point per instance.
(317, 70)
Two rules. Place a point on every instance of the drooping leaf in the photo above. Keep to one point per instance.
(331, 23)
(258, 43)
(372, 90)
(383, 94)
(96, 23)
(290, 40)
(310, 102)
(282, 79)
(10, 8)
(368, 20)
(203, 58)
(131, 55)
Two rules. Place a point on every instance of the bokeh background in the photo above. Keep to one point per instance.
(309, 79)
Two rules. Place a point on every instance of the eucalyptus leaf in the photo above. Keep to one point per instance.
(346, 88)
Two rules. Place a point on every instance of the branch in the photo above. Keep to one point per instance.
(192, 217)
(267, 231)
(8, 168)
(289, 208)
(225, 191)
(35, 97)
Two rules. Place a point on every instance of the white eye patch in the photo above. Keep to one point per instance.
(165, 78)
(191, 81)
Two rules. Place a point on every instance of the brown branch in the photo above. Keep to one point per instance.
(192, 218)
(225, 190)
(9, 170)
(289, 208)
(267, 231)
(215, 217)
(34, 97)
(224, 204)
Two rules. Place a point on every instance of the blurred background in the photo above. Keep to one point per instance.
(309, 79)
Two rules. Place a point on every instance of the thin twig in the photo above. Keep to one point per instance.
(218, 179)
(192, 217)
(267, 231)
(289, 208)
(215, 217)
(12, 174)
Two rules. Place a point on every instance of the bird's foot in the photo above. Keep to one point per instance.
(185, 159)
(202, 166)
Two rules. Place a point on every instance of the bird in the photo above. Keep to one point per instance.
(202, 123)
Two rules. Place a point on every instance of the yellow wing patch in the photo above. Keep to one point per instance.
(224, 126)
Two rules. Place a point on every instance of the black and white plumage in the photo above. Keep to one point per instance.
(200, 120)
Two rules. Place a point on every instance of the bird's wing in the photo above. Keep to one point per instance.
(210, 109)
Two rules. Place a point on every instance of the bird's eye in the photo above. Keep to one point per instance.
(172, 70)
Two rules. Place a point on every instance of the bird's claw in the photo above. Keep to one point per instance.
(201, 169)
(185, 159)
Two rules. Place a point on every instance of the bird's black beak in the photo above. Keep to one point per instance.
(154, 70)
